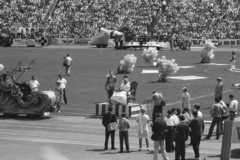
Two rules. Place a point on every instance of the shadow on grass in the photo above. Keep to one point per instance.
(159, 82)
(95, 150)
(234, 154)
(215, 156)
(206, 108)
(25, 118)
(147, 66)
(93, 116)
(112, 153)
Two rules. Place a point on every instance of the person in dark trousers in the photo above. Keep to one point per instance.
(169, 134)
(109, 118)
(216, 113)
(110, 84)
(181, 135)
(159, 129)
(123, 126)
(158, 99)
(196, 128)
(63, 86)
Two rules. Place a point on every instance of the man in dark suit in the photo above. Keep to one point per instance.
(196, 130)
(216, 113)
(109, 118)
(159, 130)
(181, 136)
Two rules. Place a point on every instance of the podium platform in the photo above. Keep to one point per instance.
(131, 110)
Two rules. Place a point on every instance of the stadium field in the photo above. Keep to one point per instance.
(91, 65)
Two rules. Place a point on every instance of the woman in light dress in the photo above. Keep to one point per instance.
(143, 132)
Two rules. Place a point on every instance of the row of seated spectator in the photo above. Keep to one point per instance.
(81, 19)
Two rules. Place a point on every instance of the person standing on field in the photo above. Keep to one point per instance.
(186, 99)
(143, 132)
(219, 88)
(63, 85)
(67, 63)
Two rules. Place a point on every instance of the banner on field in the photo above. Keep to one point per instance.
(66, 41)
(81, 41)
(224, 42)
(25, 42)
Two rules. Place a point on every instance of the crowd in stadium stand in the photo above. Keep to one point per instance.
(74, 18)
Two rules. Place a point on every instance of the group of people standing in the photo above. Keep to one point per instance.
(165, 131)
(171, 132)
(61, 83)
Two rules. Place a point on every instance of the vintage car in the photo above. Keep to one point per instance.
(106, 37)
(17, 97)
(101, 40)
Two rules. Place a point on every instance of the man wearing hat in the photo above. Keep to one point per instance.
(219, 88)
(123, 127)
(185, 99)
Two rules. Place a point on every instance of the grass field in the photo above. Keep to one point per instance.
(91, 65)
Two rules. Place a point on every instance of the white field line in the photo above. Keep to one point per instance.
(169, 104)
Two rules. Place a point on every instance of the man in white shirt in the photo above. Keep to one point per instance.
(175, 117)
(68, 62)
(34, 84)
(233, 107)
(125, 86)
(63, 85)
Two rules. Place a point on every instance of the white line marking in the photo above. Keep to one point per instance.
(197, 97)
(215, 64)
(184, 78)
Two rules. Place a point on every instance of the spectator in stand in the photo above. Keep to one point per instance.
(81, 19)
